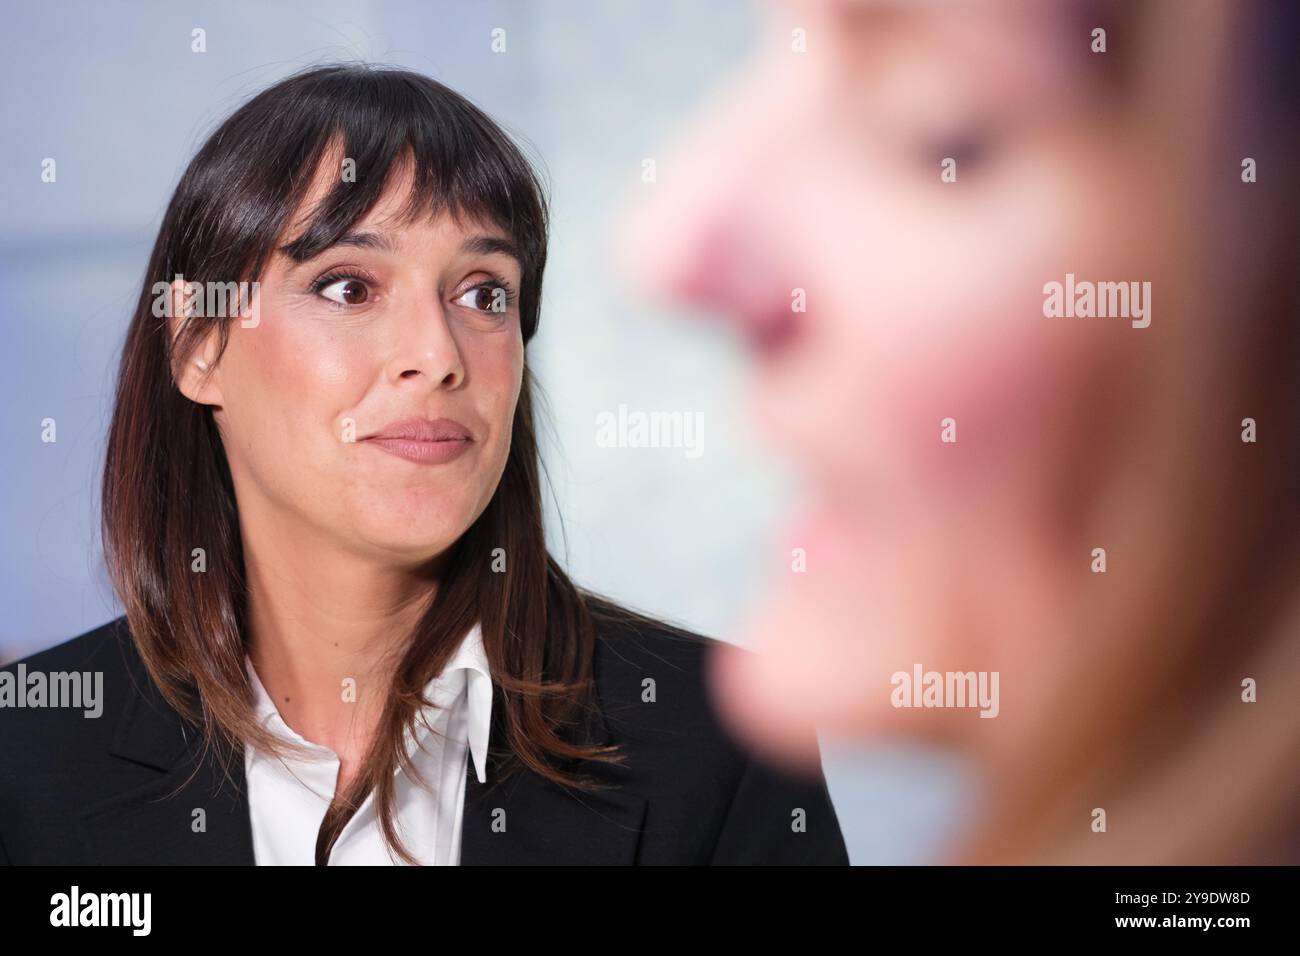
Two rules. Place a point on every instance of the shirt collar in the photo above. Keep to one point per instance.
(470, 657)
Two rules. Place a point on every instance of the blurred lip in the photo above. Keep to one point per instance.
(426, 440)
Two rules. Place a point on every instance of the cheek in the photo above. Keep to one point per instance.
(938, 316)
(291, 387)
(494, 368)
(305, 354)
(503, 368)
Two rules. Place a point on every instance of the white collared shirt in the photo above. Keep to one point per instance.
(287, 799)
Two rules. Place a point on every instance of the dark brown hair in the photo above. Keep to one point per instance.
(167, 485)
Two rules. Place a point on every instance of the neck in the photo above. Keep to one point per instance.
(1187, 772)
(326, 627)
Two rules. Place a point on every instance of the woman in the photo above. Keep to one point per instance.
(344, 640)
(890, 203)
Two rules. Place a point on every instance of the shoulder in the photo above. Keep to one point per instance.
(654, 682)
(630, 638)
(42, 684)
(86, 744)
(103, 646)
(642, 661)
(711, 799)
(60, 706)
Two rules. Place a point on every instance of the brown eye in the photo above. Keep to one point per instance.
(491, 297)
(345, 292)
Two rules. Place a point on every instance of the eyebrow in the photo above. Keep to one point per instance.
(473, 245)
(487, 245)
(366, 240)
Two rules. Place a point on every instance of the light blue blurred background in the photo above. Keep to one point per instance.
(112, 91)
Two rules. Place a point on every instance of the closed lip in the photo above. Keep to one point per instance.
(424, 429)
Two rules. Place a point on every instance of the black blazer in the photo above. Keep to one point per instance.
(78, 790)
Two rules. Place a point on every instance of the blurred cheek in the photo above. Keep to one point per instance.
(932, 315)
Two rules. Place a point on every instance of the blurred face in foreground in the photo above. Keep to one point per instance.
(881, 215)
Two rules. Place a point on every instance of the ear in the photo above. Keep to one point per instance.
(197, 374)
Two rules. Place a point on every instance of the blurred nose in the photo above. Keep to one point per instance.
(427, 350)
(703, 232)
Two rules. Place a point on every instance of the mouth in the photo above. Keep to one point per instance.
(423, 440)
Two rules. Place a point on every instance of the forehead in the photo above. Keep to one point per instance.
(900, 59)
(392, 214)
(983, 29)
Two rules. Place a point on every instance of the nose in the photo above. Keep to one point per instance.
(427, 349)
(705, 233)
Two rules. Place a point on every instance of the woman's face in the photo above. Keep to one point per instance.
(817, 176)
(396, 322)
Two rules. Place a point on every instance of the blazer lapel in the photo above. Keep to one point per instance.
(193, 813)
(528, 820)
(189, 814)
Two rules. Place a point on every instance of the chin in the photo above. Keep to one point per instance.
(413, 540)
